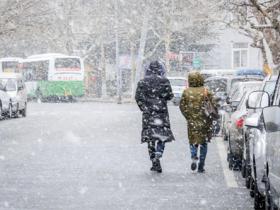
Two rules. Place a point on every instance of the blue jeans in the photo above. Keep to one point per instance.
(156, 149)
(202, 156)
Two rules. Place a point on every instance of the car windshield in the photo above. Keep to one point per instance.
(242, 104)
(9, 84)
(239, 89)
(244, 79)
(217, 85)
(177, 82)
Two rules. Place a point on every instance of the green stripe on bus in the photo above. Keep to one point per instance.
(61, 88)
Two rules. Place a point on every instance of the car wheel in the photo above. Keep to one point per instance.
(243, 168)
(259, 201)
(23, 112)
(10, 113)
(225, 135)
(230, 161)
(268, 203)
(248, 181)
(1, 111)
(244, 163)
(251, 188)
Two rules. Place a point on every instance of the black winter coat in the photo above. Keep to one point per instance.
(152, 94)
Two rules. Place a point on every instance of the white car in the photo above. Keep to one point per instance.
(5, 102)
(15, 88)
(178, 85)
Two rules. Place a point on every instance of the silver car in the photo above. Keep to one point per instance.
(271, 116)
(16, 90)
(178, 85)
(254, 155)
(236, 128)
(236, 94)
(5, 103)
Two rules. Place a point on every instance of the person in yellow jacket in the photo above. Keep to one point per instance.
(199, 124)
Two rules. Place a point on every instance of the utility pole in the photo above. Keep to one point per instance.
(119, 73)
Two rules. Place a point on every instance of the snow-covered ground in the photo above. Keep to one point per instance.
(89, 156)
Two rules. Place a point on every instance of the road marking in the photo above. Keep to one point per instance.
(228, 174)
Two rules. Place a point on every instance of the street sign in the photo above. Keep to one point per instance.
(196, 63)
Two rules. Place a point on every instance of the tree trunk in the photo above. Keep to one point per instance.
(167, 50)
(273, 42)
(143, 39)
(133, 68)
(103, 70)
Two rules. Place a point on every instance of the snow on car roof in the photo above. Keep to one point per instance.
(183, 78)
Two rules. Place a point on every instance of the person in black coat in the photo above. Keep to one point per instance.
(152, 94)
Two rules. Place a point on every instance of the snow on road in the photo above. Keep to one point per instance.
(89, 156)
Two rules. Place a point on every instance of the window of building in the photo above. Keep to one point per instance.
(240, 55)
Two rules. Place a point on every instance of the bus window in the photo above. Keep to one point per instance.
(67, 63)
(10, 66)
(34, 71)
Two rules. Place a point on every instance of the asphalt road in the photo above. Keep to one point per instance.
(89, 156)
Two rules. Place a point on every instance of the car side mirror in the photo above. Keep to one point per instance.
(253, 121)
(227, 100)
(257, 100)
(271, 119)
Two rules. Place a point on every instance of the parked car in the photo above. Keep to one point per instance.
(221, 86)
(206, 73)
(236, 128)
(254, 157)
(237, 91)
(15, 88)
(250, 72)
(178, 85)
(5, 103)
(254, 138)
(271, 116)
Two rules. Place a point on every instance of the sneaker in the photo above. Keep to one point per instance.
(153, 168)
(201, 170)
(194, 164)
(156, 166)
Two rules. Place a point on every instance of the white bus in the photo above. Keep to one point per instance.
(10, 64)
(53, 75)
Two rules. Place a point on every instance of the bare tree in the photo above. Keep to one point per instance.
(259, 19)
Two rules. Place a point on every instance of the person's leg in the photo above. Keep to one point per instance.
(193, 148)
(202, 157)
(152, 150)
(160, 149)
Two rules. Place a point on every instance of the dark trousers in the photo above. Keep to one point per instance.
(202, 155)
(156, 149)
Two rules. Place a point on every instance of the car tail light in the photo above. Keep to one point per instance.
(240, 122)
